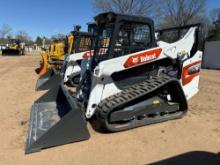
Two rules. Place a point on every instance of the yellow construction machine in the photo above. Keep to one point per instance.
(54, 57)
(53, 60)
(14, 47)
(49, 58)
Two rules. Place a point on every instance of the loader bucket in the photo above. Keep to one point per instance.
(10, 52)
(49, 80)
(55, 119)
(44, 65)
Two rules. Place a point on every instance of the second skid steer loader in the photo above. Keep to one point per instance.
(130, 82)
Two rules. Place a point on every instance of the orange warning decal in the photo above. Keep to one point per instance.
(190, 72)
(88, 54)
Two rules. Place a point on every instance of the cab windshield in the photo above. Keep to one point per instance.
(122, 39)
(14, 41)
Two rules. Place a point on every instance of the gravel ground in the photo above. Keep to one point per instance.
(198, 131)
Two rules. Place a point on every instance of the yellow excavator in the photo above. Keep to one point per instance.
(14, 47)
(53, 60)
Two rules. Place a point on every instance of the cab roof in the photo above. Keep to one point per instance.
(110, 17)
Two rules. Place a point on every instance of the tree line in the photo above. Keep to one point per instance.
(168, 13)
(6, 34)
(165, 13)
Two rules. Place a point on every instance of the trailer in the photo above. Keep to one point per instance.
(211, 58)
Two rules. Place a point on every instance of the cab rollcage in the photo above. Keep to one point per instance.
(198, 45)
(118, 19)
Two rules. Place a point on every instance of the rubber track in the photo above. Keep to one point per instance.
(132, 93)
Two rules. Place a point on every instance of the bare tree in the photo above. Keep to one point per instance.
(58, 36)
(23, 36)
(182, 12)
(214, 30)
(5, 31)
(215, 14)
(215, 17)
(133, 7)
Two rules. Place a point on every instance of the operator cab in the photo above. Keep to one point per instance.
(121, 35)
(83, 41)
(92, 28)
(14, 42)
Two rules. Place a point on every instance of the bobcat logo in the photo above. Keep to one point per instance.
(142, 57)
(135, 60)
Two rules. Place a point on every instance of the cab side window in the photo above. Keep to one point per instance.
(132, 38)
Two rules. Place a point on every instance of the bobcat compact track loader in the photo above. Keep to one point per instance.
(76, 42)
(130, 82)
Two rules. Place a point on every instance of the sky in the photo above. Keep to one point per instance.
(49, 17)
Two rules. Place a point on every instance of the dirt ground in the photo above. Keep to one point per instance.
(199, 130)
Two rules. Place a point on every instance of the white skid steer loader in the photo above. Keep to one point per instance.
(128, 82)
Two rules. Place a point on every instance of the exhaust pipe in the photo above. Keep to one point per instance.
(56, 119)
